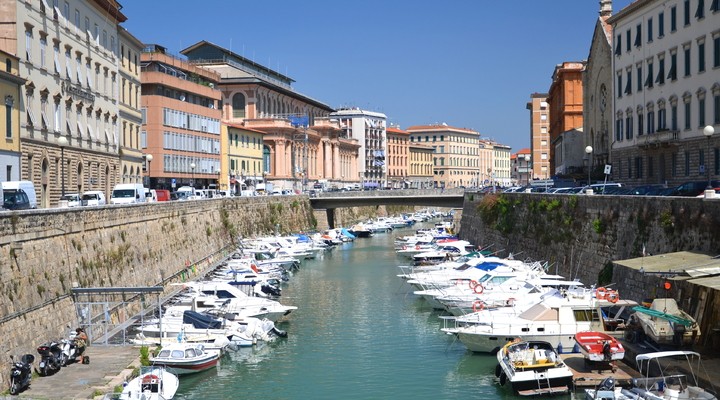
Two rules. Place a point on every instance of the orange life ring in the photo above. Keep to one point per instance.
(150, 379)
(600, 293)
(612, 296)
(472, 284)
(479, 291)
(478, 305)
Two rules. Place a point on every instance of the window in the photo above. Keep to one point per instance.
(716, 50)
(56, 58)
(87, 25)
(651, 122)
(57, 117)
(700, 11)
(673, 19)
(686, 12)
(629, 127)
(661, 24)
(28, 45)
(701, 111)
(638, 35)
(77, 21)
(104, 39)
(68, 64)
(66, 13)
(112, 44)
(627, 40)
(618, 44)
(650, 29)
(701, 55)
(619, 130)
(238, 104)
(78, 65)
(661, 71)
(8, 117)
(672, 75)
(715, 7)
(716, 109)
(43, 46)
(619, 84)
(543, 117)
(686, 52)
(45, 122)
(641, 128)
(673, 117)
(28, 107)
(687, 115)
(639, 77)
(661, 119)
(628, 85)
(649, 80)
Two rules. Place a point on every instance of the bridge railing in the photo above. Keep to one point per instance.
(393, 193)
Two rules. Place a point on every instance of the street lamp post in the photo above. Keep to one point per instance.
(148, 158)
(708, 131)
(588, 151)
(62, 142)
(192, 171)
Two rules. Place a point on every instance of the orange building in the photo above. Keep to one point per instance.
(397, 158)
(565, 99)
(181, 121)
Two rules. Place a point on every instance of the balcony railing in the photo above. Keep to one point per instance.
(659, 138)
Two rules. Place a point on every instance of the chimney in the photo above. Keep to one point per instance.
(605, 8)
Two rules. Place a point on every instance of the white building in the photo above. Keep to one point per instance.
(68, 55)
(666, 89)
(369, 128)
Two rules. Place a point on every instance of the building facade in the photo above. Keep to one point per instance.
(181, 121)
(132, 160)
(565, 102)
(486, 172)
(522, 172)
(397, 158)
(597, 92)
(540, 134)
(501, 165)
(10, 92)
(420, 170)
(242, 150)
(68, 54)
(300, 143)
(666, 90)
(369, 129)
(456, 150)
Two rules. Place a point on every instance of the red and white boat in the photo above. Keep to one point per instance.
(599, 346)
(185, 358)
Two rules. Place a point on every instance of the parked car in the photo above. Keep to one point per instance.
(15, 199)
(127, 193)
(72, 199)
(647, 190)
(694, 188)
(26, 186)
(161, 194)
(93, 198)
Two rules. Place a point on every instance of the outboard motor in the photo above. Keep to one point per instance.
(607, 350)
(607, 384)
(271, 290)
(50, 357)
(678, 334)
(20, 373)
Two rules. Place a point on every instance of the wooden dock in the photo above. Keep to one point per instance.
(589, 375)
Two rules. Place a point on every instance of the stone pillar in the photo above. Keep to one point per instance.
(336, 161)
(320, 160)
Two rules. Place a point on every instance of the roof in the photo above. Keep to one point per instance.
(397, 131)
(243, 127)
(438, 127)
(699, 268)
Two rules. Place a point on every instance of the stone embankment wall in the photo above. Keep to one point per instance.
(45, 253)
(579, 236)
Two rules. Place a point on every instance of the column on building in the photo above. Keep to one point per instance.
(336, 161)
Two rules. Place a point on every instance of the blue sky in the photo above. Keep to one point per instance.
(468, 63)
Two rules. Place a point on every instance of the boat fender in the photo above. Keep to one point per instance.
(612, 296)
(503, 378)
(479, 288)
(600, 293)
(498, 370)
(478, 305)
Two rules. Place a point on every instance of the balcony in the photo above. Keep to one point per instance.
(660, 138)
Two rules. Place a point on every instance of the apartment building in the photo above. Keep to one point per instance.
(68, 55)
(243, 157)
(522, 172)
(133, 163)
(397, 158)
(565, 100)
(301, 143)
(369, 129)
(10, 91)
(181, 120)
(456, 150)
(502, 167)
(539, 134)
(420, 169)
(666, 91)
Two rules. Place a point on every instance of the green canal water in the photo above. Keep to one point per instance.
(358, 334)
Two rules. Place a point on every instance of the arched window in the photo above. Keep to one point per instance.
(238, 105)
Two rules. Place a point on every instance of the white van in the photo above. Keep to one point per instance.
(27, 186)
(127, 193)
(93, 198)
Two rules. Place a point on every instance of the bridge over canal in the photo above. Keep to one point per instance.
(329, 201)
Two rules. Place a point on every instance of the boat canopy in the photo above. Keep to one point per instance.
(661, 354)
(200, 321)
(540, 312)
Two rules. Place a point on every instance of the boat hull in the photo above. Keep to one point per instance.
(599, 347)
(183, 368)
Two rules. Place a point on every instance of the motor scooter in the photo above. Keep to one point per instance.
(50, 358)
(20, 373)
(69, 349)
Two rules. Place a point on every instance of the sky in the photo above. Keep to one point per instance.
(467, 63)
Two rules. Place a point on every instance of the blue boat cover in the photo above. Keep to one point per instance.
(303, 238)
(200, 321)
(347, 233)
(488, 265)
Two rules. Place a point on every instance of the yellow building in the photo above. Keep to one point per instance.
(243, 148)
(10, 84)
(132, 162)
(420, 170)
(456, 161)
(396, 161)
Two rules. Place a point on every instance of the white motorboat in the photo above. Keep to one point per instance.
(185, 358)
(555, 319)
(665, 323)
(670, 375)
(533, 368)
(153, 383)
(446, 250)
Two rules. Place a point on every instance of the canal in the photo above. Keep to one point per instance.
(358, 334)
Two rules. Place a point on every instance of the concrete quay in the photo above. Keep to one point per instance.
(109, 366)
